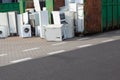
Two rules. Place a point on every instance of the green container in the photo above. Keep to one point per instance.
(18, 6)
(110, 14)
(104, 14)
(5, 7)
(119, 13)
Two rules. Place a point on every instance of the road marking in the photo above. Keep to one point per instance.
(1, 55)
(21, 60)
(59, 43)
(102, 35)
(83, 39)
(109, 40)
(86, 45)
(32, 49)
(56, 52)
(117, 32)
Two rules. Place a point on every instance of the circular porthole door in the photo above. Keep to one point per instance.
(1, 32)
(26, 30)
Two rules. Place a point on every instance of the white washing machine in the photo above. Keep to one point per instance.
(4, 21)
(3, 32)
(25, 31)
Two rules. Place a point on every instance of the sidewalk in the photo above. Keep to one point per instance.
(15, 49)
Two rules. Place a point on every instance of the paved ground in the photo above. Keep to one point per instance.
(89, 62)
(14, 50)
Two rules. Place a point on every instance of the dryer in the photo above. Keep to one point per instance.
(25, 31)
(3, 32)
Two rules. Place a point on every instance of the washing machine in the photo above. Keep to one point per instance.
(3, 32)
(25, 31)
(4, 21)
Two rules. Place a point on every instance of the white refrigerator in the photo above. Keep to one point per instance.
(43, 21)
(12, 17)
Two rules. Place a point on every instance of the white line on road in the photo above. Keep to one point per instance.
(83, 39)
(86, 45)
(109, 40)
(56, 52)
(1, 55)
(59, 43)
(117, 32)
(21, 60)
(102, 35)
(31, 49)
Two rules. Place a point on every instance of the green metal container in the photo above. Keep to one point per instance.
(5, 7)
(119, 12)
(18, 6)
(110, 14)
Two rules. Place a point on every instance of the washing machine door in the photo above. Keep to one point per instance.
(1, 32)
(26, 30)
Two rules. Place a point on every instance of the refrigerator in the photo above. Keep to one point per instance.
(12, 18)
(69, 17)
(78, 9)
(19, 23)
(43, 21)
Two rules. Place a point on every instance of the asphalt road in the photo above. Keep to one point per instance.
(99, 62)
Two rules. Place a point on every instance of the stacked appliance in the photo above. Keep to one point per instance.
(37, 5)
(58, 19)
(3, 32)
(78, 8)
(55, 32)
(30, 10)
(12, 22)
(25, 31)
(19, 23)
(44, 21)
(67, 2)
(38, 21)
(25, 18)
(80, 18)
(34, 22)
(69, 15)
(4, 22)
(67, 19)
